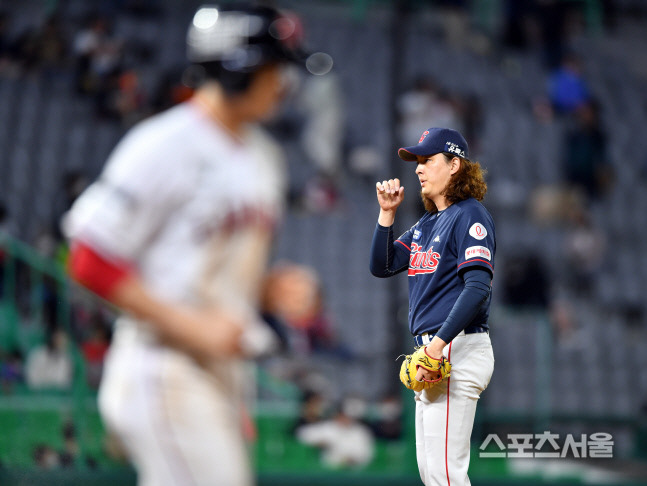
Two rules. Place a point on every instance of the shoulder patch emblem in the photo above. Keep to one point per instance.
(478, 231)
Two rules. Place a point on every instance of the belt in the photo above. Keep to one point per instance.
(426, 337)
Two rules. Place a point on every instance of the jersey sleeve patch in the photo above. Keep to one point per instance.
(478, 231)
(478, 252)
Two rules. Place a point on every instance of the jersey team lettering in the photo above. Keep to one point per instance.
(421, 261)
(477, 251)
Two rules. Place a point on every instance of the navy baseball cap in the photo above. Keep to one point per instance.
(434, 141)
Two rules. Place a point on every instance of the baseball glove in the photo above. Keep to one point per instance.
(420, 357)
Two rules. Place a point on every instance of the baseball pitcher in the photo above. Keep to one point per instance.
(449, 258)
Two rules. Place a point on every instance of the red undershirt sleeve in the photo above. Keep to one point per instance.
(95, 271)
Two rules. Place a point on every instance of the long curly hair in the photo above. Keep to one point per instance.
(468, 182)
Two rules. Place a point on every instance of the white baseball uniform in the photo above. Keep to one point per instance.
(193, 208)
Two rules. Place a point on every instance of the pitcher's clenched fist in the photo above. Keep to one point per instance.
(390, 195)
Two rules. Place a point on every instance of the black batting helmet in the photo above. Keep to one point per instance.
(231, 42)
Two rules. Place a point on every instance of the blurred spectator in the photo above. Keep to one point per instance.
(313, 409)
(94, 350)
(585, 164)
(97, 55)
(567, 88)
(584, 247)
(388, 418)
(124, 99)
(41, 48)
(544, 26)
(25, 49)
(569, 335)
(68, 456)
(11, 369)
(455, 23)
(6, 224)
(70, 446)
(52, 47)
(322, 137)
(525, 281)
(50, 365)
(320, 194)
(470, 110)
(288, 300)
(520, 28)
(426, 105)
(321, 335)
(345, 442)
(356, 407)
(46, 457)
(294, 304)
(554, 29)
(365, 162)
(11, 46)
(555, 205)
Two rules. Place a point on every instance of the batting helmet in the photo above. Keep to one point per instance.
(230, 43)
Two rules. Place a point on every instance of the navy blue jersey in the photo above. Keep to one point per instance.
(435, 251)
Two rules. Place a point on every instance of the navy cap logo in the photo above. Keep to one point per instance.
(434, 141)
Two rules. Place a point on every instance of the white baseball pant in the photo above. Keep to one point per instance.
(445, 413)
(180, 425)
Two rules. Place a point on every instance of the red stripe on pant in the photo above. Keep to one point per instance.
(449, 358)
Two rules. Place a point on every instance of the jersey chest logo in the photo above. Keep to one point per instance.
(421, 261)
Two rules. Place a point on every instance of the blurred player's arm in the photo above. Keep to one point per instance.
(205, 334)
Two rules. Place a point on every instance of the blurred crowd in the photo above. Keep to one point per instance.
(123, 80)
(87, 55)
(587, 178)
(48, 457)
(84, 53)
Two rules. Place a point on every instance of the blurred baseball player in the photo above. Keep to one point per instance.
(449, 256)
(176, 232)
